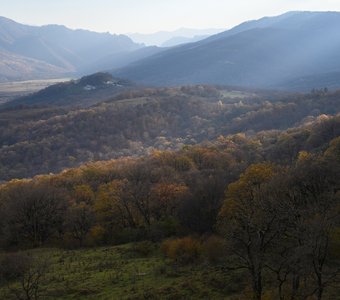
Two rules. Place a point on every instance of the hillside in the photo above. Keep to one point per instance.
(54, 49)
(83, 92)
(18, 67)
(170, 165)
(190, 221)
(125, 274)
(270, 53)
(137, 122)
(119, 60)
(15, 89)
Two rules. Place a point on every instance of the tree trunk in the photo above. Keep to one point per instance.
(257, 286)
(320, 289)
(295, 287)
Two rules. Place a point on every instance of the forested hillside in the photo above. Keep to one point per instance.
(36, 140)
(271, 199)
(234, 185)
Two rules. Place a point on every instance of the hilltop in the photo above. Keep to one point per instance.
(83, 92)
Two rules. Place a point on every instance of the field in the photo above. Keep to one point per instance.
(133, 272)
(127, 272)
(11, 90)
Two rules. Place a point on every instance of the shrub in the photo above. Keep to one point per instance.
(182, 250)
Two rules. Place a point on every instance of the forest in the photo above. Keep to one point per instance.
(259, 211)
(38, 139)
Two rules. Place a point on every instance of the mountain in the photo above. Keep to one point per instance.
(18, 67)
(329, 80)
(273, 52)
(179, 40)
(161, 37)
(119, 60)
(55, 46)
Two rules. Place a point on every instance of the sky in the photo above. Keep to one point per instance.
(148, 16)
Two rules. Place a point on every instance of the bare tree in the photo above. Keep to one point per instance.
(34, 212)
(251, 222)
(24, 275)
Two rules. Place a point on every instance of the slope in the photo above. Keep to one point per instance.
(266, 53)
(66, 49)
(41, 140)
(83, 92)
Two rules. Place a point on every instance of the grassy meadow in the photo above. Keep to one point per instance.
(131, 271)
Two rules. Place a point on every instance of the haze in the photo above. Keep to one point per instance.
(147, 16)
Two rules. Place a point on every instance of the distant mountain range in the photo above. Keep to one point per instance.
(162, 38)
(29, 52)
(179, 40)
(291, 51)
(294, 51)
(39, 52)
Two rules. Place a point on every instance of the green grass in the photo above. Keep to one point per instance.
(121, 273)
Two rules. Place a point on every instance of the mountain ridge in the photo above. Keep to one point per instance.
(67, 49)
(262, 53)
(160, 37)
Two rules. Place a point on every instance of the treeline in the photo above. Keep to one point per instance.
(118, 201)
(278, 217)
(137, 122)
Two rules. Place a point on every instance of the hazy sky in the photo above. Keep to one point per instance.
(146, 16)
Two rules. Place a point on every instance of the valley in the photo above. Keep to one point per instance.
(180, 164)
(12, 90)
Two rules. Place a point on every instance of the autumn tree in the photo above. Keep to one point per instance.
(301, 261)
(113, 208)
(79, 220)
(199, 210)
(313, 204)
(251, 222)
(139, 181)
(166, 199)
(83, 193)
(34, 211)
